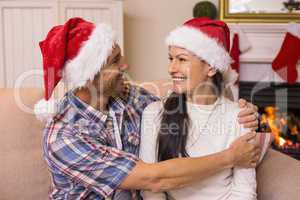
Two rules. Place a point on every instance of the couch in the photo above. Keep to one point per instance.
(24, 175)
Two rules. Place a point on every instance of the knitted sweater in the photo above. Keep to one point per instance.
(212, 129)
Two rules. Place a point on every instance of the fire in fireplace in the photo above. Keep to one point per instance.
(285, 129)
(279, 106)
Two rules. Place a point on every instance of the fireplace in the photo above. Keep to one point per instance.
(279, 106)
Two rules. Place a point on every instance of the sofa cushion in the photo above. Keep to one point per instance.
(264, 140)
(278, 177)
(23, 171)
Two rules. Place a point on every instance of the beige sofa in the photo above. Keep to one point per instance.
(24, 175)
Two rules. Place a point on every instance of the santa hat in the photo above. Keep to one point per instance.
(208, 39)
(74, 52)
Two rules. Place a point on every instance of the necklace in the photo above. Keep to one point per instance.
(204, 127)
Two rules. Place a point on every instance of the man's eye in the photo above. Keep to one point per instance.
(116, 61)
(182, 59)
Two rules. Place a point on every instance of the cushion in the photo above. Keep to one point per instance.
(264, 140)
(278, 177)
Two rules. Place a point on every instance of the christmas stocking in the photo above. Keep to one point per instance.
(285, 63)
(240, 44)
(235, 53)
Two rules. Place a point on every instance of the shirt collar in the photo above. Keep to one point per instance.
(85, 110)
(117, 104)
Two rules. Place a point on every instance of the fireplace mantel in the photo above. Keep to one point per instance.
(266, 40)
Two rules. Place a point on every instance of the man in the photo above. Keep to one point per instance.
(92, 142)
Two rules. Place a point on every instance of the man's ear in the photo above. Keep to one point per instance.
(211, 71)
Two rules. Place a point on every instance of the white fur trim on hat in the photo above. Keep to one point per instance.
(45, 110)
(202, 45)
(91, 57)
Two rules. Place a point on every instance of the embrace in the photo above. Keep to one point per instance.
(111, 139)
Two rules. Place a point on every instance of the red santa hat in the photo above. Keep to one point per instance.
(74, 52)
(208, 39)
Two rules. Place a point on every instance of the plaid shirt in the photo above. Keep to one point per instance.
(81, 151)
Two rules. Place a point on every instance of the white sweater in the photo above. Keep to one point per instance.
(222, 129)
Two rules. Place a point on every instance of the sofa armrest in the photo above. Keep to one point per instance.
(278, 177)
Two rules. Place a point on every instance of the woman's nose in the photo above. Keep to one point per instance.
(173, 67)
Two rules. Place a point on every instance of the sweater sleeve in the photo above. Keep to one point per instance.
(244, 180)
(149, 132)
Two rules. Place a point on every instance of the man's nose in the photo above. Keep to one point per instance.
(123, 65)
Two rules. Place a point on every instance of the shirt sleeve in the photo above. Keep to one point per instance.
(90, 163)
(244, 180)
(147, 195)
(148, 147)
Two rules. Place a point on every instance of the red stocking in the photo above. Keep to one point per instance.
(235, 53)
(285, 63)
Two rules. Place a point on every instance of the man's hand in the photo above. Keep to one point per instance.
(249, 115)
(244, 152)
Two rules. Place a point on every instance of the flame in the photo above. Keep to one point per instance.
(276, 123)
(294, 130)
(281, 141)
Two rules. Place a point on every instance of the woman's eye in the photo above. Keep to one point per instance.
(170, 59)
(203, 61)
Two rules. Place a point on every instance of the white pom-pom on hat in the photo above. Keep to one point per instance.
(45, 110)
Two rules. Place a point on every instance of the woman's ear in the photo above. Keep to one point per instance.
(211, 71)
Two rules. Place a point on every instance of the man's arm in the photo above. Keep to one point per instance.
(105, 169)
(180, 172)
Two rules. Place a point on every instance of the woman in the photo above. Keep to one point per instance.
(195, 119)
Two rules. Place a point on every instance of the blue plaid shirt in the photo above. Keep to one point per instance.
(81, 150)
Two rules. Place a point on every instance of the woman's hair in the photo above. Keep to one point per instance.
(175, 121)
(218, 82)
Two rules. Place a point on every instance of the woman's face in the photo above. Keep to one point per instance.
(188, 72)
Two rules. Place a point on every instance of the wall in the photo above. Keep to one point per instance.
(146, 24)
(24, 23)
(265, 40)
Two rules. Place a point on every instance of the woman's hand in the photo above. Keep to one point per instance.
(249, 115)
(245, 153)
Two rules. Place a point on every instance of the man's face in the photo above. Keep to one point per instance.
(109, 80)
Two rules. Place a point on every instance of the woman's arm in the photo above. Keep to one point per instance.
(149, 132)
(244, 180)
(243, 184)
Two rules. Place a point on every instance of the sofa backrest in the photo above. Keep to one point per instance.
(23, 171)
(278, 177)
(24, 174)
